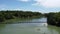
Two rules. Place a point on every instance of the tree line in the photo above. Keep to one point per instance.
(6, 15)
(53, 18)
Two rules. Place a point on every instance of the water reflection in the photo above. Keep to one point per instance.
(46, 29)
(29, 28)
(38, 20)
(54, 29)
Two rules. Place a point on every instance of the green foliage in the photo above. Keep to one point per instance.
(53, 18)
(6, 15)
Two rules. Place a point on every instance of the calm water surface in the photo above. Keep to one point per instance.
(29, 28)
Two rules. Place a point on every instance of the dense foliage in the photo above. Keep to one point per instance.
(6, 15)
(53, 18)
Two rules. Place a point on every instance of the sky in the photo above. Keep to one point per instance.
(43, 6)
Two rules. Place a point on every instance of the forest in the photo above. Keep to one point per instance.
(10, 14)
(53, 18)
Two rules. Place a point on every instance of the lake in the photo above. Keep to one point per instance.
(39, 27)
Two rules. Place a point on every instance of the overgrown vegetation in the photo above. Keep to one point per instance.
(7, 15)
(53, 18)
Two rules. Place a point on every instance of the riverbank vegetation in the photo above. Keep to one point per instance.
(12, 15)
(53, 18)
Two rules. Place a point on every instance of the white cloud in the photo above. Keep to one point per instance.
(48, 3)
(24, 0)
(15, 9)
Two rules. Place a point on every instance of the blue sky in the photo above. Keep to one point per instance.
(43, 6)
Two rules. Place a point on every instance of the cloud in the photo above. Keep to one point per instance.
(48, 3)
(24, 0)
(15, 9)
